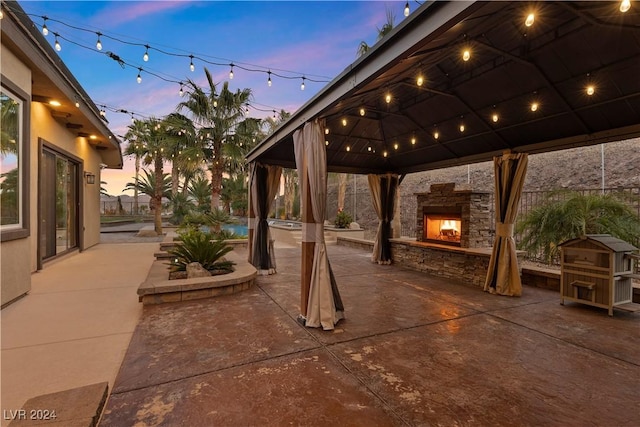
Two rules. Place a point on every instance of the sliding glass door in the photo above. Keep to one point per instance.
(58, 204)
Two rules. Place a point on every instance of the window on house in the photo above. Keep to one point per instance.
(13, 165)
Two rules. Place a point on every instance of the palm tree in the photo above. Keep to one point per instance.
(136, 135)
(568, 215)
(146, 184)
(363, 47)
(218, 114)
(183, 148)
(200, 191)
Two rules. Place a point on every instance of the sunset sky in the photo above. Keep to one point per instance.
(315, 39)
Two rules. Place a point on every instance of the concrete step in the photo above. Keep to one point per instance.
(77, 407)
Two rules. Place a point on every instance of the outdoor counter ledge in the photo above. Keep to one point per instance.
(158, 289)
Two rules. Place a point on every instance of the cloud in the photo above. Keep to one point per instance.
(123, 12)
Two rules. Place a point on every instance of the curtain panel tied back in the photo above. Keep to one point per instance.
(503, 276)
(383, 195)
(264, 181)
(324, 305)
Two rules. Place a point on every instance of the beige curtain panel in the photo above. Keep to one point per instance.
(324, 308)
(503, 277)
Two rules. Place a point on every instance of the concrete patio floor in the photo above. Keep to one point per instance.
(413, 350)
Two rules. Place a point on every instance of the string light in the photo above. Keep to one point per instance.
(529, 21)
(462, 128)
(420, 81)
(99, 43)
(396, 146)
(625, 5)
(139, 78)
(77, 103)
(494, 117)
(57, 43)
(534, 106)
(133, 119)
(269, 79)
(387, 98)
(413, 141)
(45, 30)
(362, 111)
(181, 91)
(384, 153)
(145, 57)
(231, 72)
(344, 122)
(348, 148)
(436, 135)
(406, 9)
(191, 66)
(591, 90)
(326, 131)
(302, 85)
(466, 55)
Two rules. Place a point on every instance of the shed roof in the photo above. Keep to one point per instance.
(613, 243)
(570, 46)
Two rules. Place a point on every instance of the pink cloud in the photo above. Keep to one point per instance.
(124, 12)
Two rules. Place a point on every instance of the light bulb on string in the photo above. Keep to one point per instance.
(534, 106)
(99, 43)
(302, 85)
(57, 43)
(231, 72)
(406, 9)
(269, 79)
(139, 78)
(45, 30)
(529, 21)
(145, 57)
(466, 54)
(362, 111)
(625, 5)
(495, 117)
(590, 90)
(413, 140)
(133, 119)
(387, 98)
(77, 103)
(191, 66)
(420, 81)
(181, 91)
(436, 135)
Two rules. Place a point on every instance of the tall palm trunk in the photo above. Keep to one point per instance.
(216, 184)
(157, 197)
(135, 190)
(175, 175)
(342, 190)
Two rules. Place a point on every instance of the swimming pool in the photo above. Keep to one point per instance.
(239, 229)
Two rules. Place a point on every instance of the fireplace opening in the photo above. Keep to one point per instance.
(441, 227)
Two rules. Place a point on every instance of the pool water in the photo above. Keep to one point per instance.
(239, 229)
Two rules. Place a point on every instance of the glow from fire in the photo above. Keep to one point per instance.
(450, 225)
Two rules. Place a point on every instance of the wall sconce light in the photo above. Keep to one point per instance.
(90, 178)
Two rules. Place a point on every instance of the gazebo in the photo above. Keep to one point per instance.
(454, 83)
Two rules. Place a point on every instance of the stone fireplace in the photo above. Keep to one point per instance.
(455, 217)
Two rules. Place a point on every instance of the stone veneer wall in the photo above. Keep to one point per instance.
(475, 212)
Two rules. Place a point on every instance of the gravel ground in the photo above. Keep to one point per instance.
(127, 237)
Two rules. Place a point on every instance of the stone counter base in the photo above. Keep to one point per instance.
(158, 289)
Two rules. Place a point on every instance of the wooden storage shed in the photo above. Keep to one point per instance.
(597, 269)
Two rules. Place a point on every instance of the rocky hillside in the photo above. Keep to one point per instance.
(578, 168)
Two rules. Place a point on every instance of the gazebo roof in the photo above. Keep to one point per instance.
(569, 47)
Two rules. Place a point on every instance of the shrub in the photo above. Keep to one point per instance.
(343, 220)
(197, 246)
(568, 215)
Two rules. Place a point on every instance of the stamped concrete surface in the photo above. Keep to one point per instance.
(73, 328)
(413, 350)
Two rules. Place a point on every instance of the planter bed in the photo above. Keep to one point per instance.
(158, 289)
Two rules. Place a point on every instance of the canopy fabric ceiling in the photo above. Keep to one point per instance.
(570, 46)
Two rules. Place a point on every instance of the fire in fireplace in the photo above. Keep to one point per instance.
(442, 227)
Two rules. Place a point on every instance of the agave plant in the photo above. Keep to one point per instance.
(198, 246)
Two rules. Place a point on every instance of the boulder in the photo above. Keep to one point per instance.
(195, 269)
